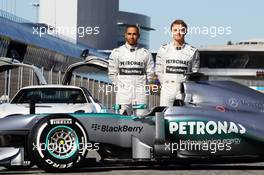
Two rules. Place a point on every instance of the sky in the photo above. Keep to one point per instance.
(211, 22)
(242, 17)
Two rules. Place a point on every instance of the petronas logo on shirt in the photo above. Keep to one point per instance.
(131, 63)
(173, 61)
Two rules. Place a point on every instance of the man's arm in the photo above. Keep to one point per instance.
(196, 61)
(149, 66)
(113, 66)
(160, 63)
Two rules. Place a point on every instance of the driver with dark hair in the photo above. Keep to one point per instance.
(173, 61)
(130, 68)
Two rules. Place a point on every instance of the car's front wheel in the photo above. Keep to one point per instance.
(58, 143)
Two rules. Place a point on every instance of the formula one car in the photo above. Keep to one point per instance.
(218, 122)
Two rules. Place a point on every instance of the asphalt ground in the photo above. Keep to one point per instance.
(119, 169)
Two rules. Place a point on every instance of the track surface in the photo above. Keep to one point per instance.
(227, 169)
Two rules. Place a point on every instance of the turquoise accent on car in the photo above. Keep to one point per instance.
(116, 106)
(104, 115)
(260, 88)
(97, 115)
(139, 106)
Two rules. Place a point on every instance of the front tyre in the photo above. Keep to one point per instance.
(58, 143)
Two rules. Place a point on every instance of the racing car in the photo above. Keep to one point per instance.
(219, 122)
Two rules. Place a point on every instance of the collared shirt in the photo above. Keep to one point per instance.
(131, 48)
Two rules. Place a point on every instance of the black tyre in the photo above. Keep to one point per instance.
(58, 143)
